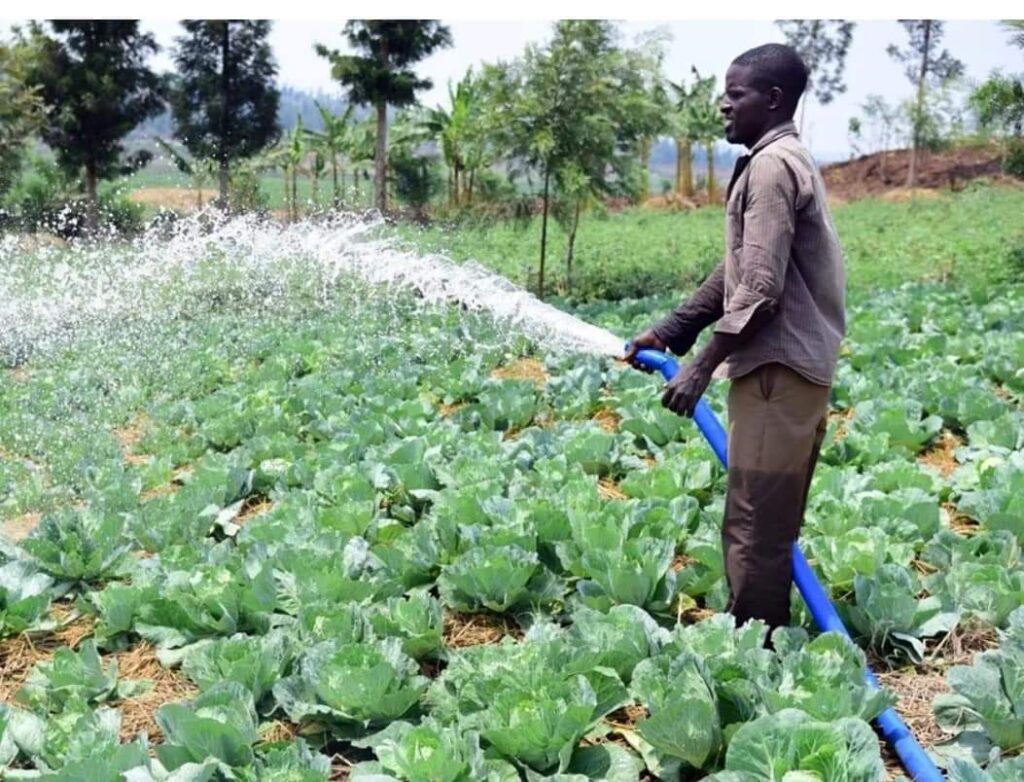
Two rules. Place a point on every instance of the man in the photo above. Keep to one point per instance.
(777, 302)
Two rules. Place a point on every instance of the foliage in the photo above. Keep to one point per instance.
(223, 100)
(21, 110)
(381, 76)
(823, 45)
(95, 72)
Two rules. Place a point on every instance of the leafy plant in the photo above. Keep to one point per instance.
(75, 675)
(255, 662)
(24, 597)
(791, 745)
(78, 545)
(352, 685)
(219, 724)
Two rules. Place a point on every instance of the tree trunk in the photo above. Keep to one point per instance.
(915, 140)
(544, 234)
(334, 173)
(224, 182)
(225, 110)
(572, 245)
(709, 150)
(92, 201)
(287, 196)
(472, 177)
(645, 170)
(684, 167)
(380, 162)
(295, 193)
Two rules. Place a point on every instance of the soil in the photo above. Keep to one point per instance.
(885, 173)
(179, 199)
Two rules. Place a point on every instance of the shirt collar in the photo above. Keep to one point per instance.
(787, 128)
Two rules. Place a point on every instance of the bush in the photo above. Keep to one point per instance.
(46, 199)
(1013, 163)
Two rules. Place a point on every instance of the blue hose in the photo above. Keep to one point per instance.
(892, 727)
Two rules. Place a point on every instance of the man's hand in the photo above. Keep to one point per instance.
(684, 390)
(645, 340)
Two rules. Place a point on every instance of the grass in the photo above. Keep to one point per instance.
(271, 185)
(966, 238)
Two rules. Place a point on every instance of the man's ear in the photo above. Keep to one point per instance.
(775, 98)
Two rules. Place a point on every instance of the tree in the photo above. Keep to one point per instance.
(21, 110)
(704, 120)
(684, 132)
(460, 132)
(884, 123)
(381, 76)
(580, 109)
(95, 76)
(823, 45)
(1015, 27)
(224, 100)
(927, 67)
(332, 141)
(999, 105)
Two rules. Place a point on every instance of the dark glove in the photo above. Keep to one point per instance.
(684, 390)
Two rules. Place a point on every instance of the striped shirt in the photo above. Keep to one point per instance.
(782, 254)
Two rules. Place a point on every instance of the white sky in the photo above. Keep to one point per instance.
(710, 45)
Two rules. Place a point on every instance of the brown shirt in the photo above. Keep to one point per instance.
(782, 255)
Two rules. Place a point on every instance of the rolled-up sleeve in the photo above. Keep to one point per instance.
(769, 223)
(679, 329)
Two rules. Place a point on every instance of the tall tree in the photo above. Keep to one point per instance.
(705, 122)
(94, 73)
(21, 109)
(823, 45)
(381, 75)
(685, 131)
(224, 100)
(580, 111)
(927, 67)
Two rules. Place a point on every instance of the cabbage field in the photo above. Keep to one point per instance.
(266, 521)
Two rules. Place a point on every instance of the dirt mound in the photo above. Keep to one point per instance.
(886, 172)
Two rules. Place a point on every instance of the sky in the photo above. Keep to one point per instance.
(710, 45)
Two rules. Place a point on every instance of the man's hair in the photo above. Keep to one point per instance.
(777, 65)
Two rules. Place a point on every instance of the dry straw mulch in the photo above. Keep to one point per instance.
(607, 419)
(462, 630)
(940, 456)
(609, 489)
(523, 369)
(21, 526)
(254, 506)
(139, 714)
(129, 435)
(20, 654)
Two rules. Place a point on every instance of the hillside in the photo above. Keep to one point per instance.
(882, 172)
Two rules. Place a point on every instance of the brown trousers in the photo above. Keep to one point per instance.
(777, 423)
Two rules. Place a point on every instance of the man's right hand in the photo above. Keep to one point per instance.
(645, 340)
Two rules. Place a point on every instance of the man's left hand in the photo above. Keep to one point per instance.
(684, 390)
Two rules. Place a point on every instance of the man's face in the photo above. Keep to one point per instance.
(746, 109)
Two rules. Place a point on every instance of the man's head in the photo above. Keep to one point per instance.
(762, 89)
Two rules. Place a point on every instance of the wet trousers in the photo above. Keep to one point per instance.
(777, 422)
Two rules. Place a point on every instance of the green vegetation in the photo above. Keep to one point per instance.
(327, 489)
(639, 252)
